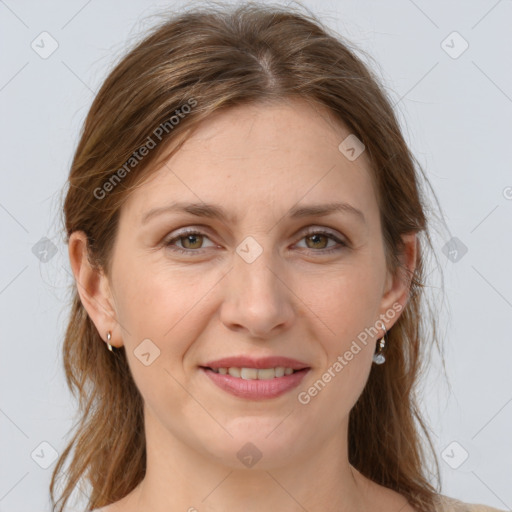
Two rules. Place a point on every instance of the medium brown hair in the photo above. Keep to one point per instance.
(222, 56)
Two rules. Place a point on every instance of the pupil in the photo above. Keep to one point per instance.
(190, 239)
(315, 238)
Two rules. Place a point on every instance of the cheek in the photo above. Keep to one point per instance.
(159, 323)
(347, 306)
(164, 305)
(346, 303)
(150, 299)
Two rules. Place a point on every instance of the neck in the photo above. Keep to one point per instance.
(192, 480)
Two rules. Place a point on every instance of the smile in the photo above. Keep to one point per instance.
(255, 383)
(255, 373)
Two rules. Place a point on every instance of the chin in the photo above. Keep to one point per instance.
(258, 443)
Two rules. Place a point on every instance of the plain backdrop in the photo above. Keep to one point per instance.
(447, 66)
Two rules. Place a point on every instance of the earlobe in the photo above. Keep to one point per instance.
(92, 286)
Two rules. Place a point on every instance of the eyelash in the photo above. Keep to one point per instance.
(190, 252)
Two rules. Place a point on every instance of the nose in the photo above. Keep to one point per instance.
(258, 299)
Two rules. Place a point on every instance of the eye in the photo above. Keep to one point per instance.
(316, 240)
(190, 239)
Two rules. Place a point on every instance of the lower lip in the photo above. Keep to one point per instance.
(256, 389)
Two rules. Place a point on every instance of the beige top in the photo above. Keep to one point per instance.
(448, 504)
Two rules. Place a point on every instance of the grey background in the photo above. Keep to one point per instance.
(457, 117)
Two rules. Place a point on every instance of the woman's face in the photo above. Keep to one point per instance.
(271, 278)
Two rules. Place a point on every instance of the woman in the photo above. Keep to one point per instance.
(247, 231)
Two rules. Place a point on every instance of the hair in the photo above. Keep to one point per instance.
(213, 58)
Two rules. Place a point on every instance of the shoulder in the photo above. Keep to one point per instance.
(448, 504)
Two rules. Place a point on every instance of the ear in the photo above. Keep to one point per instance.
(93, 288)
(397, 288)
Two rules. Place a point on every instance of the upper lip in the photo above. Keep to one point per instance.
(253, 362)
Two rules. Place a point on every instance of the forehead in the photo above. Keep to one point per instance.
(292, 126)
(254, 155)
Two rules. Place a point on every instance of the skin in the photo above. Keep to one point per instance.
(294, 300)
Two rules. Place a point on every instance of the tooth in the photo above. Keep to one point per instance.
(279, 371)
(266, 373)
(255, 373)
(249, 373)
(234, 372)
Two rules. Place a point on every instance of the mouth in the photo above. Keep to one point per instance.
(254, 373)
(255, 383)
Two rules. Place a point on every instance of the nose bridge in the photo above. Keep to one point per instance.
(257, 299)
(256, 275)
(252, 272)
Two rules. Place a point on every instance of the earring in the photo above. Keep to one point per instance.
(379, 357)
(109, 336)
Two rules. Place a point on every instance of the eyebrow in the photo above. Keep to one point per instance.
(217, 212)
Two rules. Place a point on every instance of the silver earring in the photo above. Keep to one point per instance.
(379, 357)
(109, 336)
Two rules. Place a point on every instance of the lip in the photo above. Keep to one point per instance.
(253, 362)
(256, 389)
